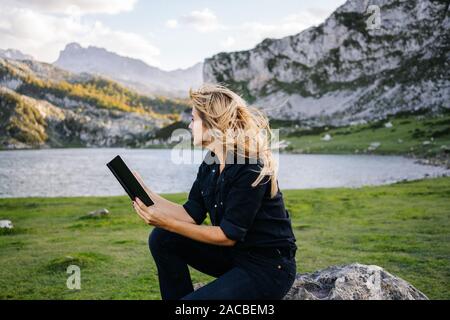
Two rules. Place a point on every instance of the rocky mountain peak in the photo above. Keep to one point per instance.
(14, 54)
(345, 69)
(131, 72)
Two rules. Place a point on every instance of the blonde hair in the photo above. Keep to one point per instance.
(236, 126)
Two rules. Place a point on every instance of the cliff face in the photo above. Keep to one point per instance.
(43, 106)
(343, 71)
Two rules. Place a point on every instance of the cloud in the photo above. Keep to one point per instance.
(201, 20)
(228, 42)
(172, 23)
(75, 6)
(43, 35)
(249, 34)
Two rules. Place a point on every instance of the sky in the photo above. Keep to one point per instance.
(168, 34)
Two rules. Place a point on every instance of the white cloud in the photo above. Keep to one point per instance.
(172, 23)
(78, 6)
(228, 42)
(43, 35)
(120, 42)
(249, 34)
(202, 21)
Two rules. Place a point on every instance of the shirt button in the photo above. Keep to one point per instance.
(279, 266)
(214, 170)
(221, 203)
(215, 206)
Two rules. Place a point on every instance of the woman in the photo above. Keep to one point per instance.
(250, 247)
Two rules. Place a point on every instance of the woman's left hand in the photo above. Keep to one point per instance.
(152, 215)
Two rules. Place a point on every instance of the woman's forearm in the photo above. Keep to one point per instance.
(174, 210)
(202, 233)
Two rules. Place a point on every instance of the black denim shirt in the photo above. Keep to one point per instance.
(246, 214)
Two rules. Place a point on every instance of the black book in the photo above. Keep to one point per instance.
(128, 181)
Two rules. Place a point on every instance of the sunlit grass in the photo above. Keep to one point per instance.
(404, 228)
(419, 135)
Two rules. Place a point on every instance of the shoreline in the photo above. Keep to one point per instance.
(185, 193)
(433, 160)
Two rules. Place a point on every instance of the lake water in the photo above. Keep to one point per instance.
(83, 172)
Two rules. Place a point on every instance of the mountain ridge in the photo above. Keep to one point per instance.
(131, 72)
(44, 106)
(340, 72)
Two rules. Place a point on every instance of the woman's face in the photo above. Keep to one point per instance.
(197, 128)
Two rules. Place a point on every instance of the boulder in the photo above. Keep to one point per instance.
(373, 146)
(350, 282)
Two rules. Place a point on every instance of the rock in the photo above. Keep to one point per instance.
(280, 145)
(98, 213)
(388, 124)
(326, 137)
(373, 146)
(6, 224)
(350, 282)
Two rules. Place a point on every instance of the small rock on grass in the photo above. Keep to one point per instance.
(6, 224)
(98, 213)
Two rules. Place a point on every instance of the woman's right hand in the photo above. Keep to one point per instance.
(163, 205)
(153, 195)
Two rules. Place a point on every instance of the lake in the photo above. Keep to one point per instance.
(83, 172)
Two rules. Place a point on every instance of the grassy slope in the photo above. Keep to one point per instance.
(412, 130)
(20, 120)
(405, 137)
(403, 227)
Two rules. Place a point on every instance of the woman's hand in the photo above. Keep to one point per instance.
(168, 208)
(153, 195)
(151, 215)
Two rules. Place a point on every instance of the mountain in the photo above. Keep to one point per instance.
(341, 72)
(14, 55)
(130, 72)
(44, 106)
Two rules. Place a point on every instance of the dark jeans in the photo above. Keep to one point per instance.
(240, 274)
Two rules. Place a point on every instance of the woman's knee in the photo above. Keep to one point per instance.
(159, 239)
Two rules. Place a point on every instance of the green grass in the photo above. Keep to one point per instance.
(405, 137)
(403, 227)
